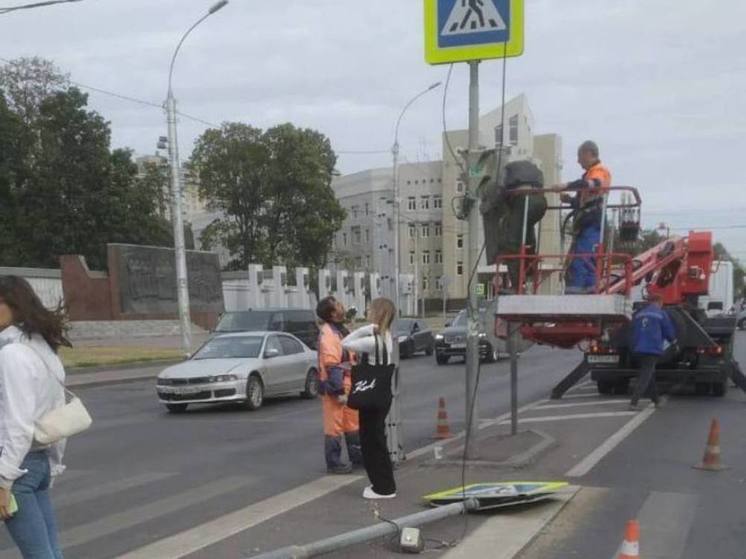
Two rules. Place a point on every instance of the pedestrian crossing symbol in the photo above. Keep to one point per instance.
(465, 30)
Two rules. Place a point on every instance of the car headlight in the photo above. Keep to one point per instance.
(403, 339)
(482, 335)
(438, 336)
(163, 382)
(223, 378)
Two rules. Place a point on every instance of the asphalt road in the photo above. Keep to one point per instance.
(684, 513)
(141, 475)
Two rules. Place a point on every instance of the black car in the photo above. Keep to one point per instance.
(414, 335)
(451, 342)
(300, 323)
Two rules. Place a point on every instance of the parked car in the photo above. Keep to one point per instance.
(741, 319)
(300, 323)
(451, 342)
(414, 335)
(243, 368)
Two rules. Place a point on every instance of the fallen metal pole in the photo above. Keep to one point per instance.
(370, 533)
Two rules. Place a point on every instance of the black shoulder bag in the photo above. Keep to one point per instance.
(371, 382)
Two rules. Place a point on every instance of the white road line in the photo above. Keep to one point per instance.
(104, 490)
(141, 515)
(503, 536)
(549, 418)
(590, 461)
(579, 404)
(666, 519)
(574, 396)
(200, 537)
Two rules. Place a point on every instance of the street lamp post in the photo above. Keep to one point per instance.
(177, 218)
(397, 205)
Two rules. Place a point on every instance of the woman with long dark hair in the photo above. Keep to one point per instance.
(31, 381)
(340, 422)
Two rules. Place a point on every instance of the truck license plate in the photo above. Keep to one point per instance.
(605, 359)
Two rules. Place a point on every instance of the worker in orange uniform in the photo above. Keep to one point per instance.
(587, 205)
(340, 422)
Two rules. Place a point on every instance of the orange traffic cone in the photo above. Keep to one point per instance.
(443, 431)
(631, 545)
(711, 461)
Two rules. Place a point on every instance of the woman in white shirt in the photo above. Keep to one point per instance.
(375, 451)
(31, 379)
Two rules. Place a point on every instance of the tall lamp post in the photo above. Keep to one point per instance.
(177, 218)
(395, 154)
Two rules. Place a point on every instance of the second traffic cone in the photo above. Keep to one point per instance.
(711, 461)
(631, 546)
(442, 431)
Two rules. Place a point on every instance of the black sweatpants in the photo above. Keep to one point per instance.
(646, 380)
(376, 457)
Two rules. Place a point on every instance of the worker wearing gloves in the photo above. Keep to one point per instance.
(651, 328)
(587, 205)
(340, 422)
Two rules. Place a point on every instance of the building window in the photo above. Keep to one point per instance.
(425, 284)
(459, 186)
(499, 135)
(412, 203)
(426, 257)
(425, 203)
(426, 231)
(514, 130)
(411, 258)
(367, 262)
(460, 268)
(355, 211)
(367, 208)
(440, 180)
(367, 236)
(459, 241)
(359, 262)
(438, 257)
(344, 239)
(439, 284)
(438, 229)
(356, 236)
(437, 202)
(412, 232)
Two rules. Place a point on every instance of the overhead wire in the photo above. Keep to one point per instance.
(35, 5)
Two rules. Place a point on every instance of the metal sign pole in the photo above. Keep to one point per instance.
(394, 437)
(472, 340)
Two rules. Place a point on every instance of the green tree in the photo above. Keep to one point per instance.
(27, 82)
(273, 193)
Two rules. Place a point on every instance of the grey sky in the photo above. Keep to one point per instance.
(657, 83)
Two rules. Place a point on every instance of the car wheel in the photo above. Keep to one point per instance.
(254, 393)
(312, 385)
(176, 408)
(404, 351)
(430, 350)
(442, 359)
(742, 324)
(719, 389)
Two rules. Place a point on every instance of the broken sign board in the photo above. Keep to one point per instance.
(467, 30)
(498, 495)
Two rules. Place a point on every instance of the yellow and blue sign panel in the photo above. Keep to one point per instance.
(466, 30)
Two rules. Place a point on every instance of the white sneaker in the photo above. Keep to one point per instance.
(368, 493)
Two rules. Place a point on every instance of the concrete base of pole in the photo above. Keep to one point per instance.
(363, 535)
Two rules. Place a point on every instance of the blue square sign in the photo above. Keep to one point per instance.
(473, 22)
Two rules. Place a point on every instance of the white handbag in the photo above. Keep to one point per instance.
(63, 422)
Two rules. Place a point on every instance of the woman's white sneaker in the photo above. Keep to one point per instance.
(368, 493)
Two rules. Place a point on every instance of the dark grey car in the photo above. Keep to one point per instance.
(298, 322)
(451, 342)
(414, 336)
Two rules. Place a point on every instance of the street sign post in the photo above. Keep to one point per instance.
(472, 31)
(467, 30)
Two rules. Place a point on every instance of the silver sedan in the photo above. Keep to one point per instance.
(242, 367)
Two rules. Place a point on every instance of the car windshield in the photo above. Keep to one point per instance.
(233, 347)
(460, 319)
(243, 321)
(404, 326)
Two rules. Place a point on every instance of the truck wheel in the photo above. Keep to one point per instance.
(719, 389)
(605, 387)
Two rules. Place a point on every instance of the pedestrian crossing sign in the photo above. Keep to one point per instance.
(466, 30)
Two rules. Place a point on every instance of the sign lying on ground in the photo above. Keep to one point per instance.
(466, 30)
(497, 495)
